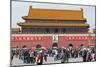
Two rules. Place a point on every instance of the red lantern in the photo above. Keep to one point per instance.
(73, 38)
(28, 38)
(31, 38)
(24, 38)
(39, 38)
(86, 38)
(19, 38)
(16, 38)
(69, 38)
(35, 38)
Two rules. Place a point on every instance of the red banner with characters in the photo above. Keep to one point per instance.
(39, 38)
(79, 37)
(28, 38)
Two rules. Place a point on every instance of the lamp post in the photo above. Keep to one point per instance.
(89, 38)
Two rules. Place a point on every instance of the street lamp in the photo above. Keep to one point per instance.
(89, 38)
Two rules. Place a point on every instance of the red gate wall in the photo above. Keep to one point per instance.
(64, 41)
(31, 41)
(46, 41)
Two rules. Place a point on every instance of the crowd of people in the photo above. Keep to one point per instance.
(39, 55)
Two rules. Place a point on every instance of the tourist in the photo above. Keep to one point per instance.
(89, 55)
(55, 55)
(31, 53)
(39, 60)
(45, 56)
(26, 56)
(63, 55)
(67, 54)
(12, 54)
(84, 54)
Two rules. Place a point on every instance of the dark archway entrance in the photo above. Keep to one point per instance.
(55, 45)
(24, 46)
(70, 45)
(38, 46)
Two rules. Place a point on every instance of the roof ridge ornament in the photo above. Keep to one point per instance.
(82, 12)
(30, 7)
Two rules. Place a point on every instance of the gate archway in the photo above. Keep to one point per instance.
(55, 45)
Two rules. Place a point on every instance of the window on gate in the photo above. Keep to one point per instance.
(47, 30)
(64, 30)
(56, 31)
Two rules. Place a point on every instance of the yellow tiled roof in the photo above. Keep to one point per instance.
(37, 13)
(50, 24)
(15, 29)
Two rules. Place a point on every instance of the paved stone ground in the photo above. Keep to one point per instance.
(50, 60)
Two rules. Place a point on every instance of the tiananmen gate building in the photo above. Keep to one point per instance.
(49, 26)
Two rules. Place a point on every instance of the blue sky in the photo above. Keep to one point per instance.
(20, 9)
